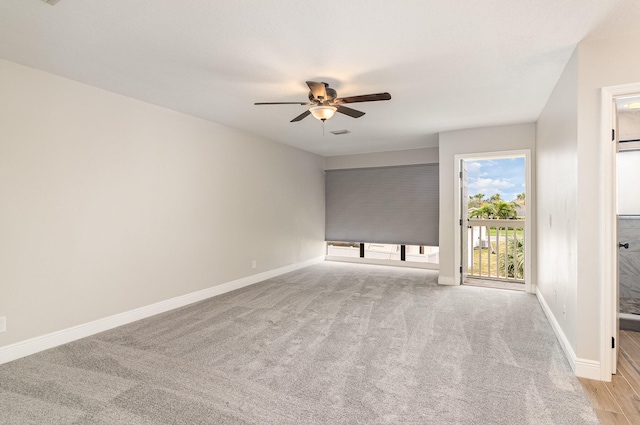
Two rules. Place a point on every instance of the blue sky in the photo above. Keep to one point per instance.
(490, 176)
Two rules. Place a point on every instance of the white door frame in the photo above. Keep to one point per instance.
(530, 286)
(464, 221)
(608, 230)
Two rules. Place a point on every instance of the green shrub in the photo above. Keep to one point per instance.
(514, 260)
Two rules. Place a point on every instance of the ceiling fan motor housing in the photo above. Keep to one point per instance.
(331, 96)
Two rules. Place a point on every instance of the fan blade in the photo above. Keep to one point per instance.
(282, 103)
(319, 90)
(301, 116)
(348, 111)
(364, 98)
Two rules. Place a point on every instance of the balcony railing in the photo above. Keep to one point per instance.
(496, 249)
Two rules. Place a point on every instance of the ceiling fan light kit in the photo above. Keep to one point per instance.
(324, 102)
(322, 112)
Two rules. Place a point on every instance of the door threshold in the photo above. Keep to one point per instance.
(496, 284)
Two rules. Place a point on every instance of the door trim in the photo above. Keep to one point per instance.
(608, 234)
(464, 222)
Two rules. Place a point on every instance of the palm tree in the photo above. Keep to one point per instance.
(499, 210)
(495, 198)
(504, 210)
(476, 200)
(484, 211)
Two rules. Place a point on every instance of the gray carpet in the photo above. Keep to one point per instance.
(329, 344)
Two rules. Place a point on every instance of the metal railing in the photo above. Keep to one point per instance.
(496, 249)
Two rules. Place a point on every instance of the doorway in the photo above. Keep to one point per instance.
(627, 138)
(495, 213)
(610, 291)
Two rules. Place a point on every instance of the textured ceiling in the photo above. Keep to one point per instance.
(449, 64)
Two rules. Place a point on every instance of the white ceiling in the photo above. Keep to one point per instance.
(448, 64)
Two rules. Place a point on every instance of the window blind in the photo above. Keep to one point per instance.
(394, 205)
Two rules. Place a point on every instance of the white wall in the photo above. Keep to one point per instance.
(472, 141)
(108, 204)
(628, 176)
(602, 63)
(557, 187)
(382, 159)
(569, 176)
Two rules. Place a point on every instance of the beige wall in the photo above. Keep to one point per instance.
(569, 159)
(602, 63)
(472, 141)
(382, 159)
(557, 187)
(108, 204)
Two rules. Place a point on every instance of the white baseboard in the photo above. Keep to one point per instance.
(629, 316)
(583, 368)
(64, 336)
(562, 338)
(381, 262)
(444, 280)
(589, 369)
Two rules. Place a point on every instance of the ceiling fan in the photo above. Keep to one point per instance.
(325, 102)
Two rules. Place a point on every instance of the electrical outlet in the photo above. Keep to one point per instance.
(253, 264)
(3, 324)
(564, 311)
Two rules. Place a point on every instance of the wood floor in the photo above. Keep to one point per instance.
(618, 401)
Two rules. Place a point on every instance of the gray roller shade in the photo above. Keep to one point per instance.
(396, 205)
